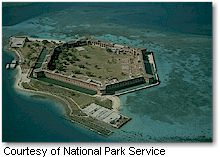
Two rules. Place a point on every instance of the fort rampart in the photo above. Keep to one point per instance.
(114, 47)
(73, 81)
(111, 88)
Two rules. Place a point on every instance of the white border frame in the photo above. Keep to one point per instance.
(172, 149)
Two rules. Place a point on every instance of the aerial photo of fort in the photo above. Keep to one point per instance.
(86, 74)
(107, 72)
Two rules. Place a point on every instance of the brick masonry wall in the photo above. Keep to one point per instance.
(73, 81)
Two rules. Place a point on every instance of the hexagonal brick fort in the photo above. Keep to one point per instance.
(138, 68)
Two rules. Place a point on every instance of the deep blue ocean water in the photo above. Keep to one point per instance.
(180, 34)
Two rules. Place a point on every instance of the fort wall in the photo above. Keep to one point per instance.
(73, 81)
(116, 48)
(111, 88)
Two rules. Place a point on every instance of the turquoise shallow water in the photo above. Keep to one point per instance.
(28, 118)
(179, 109)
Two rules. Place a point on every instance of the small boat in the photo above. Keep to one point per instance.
(7, 66)
(11, 65)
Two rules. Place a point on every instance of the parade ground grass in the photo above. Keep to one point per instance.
(91, 61)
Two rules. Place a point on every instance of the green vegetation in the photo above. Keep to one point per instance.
(87, 57)
(81, 66)
(36, 44)
(97, 67)
(81, 99)
(31, 51)
(91, 62)
(45, 42)
(105, 103)
(108, 50)
(88, 73)
(27, 86)
(76, 72)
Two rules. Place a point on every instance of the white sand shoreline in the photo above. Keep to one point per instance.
(115, 102)
(27, 92)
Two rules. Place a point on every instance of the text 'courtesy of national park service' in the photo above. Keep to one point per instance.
(79, 151)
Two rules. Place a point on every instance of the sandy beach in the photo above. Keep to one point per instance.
(22, 77)
(115, 102)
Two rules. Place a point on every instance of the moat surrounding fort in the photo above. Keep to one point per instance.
(177, 110)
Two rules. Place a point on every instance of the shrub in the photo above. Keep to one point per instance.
(36, 44)
(77, 72)
(81, 66)
(72, 62)
(88, 73)
(123, 73)
(108, 50)
(45, 42)
(87, 57)
(74, 58)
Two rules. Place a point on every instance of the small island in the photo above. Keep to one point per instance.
(86, 75)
